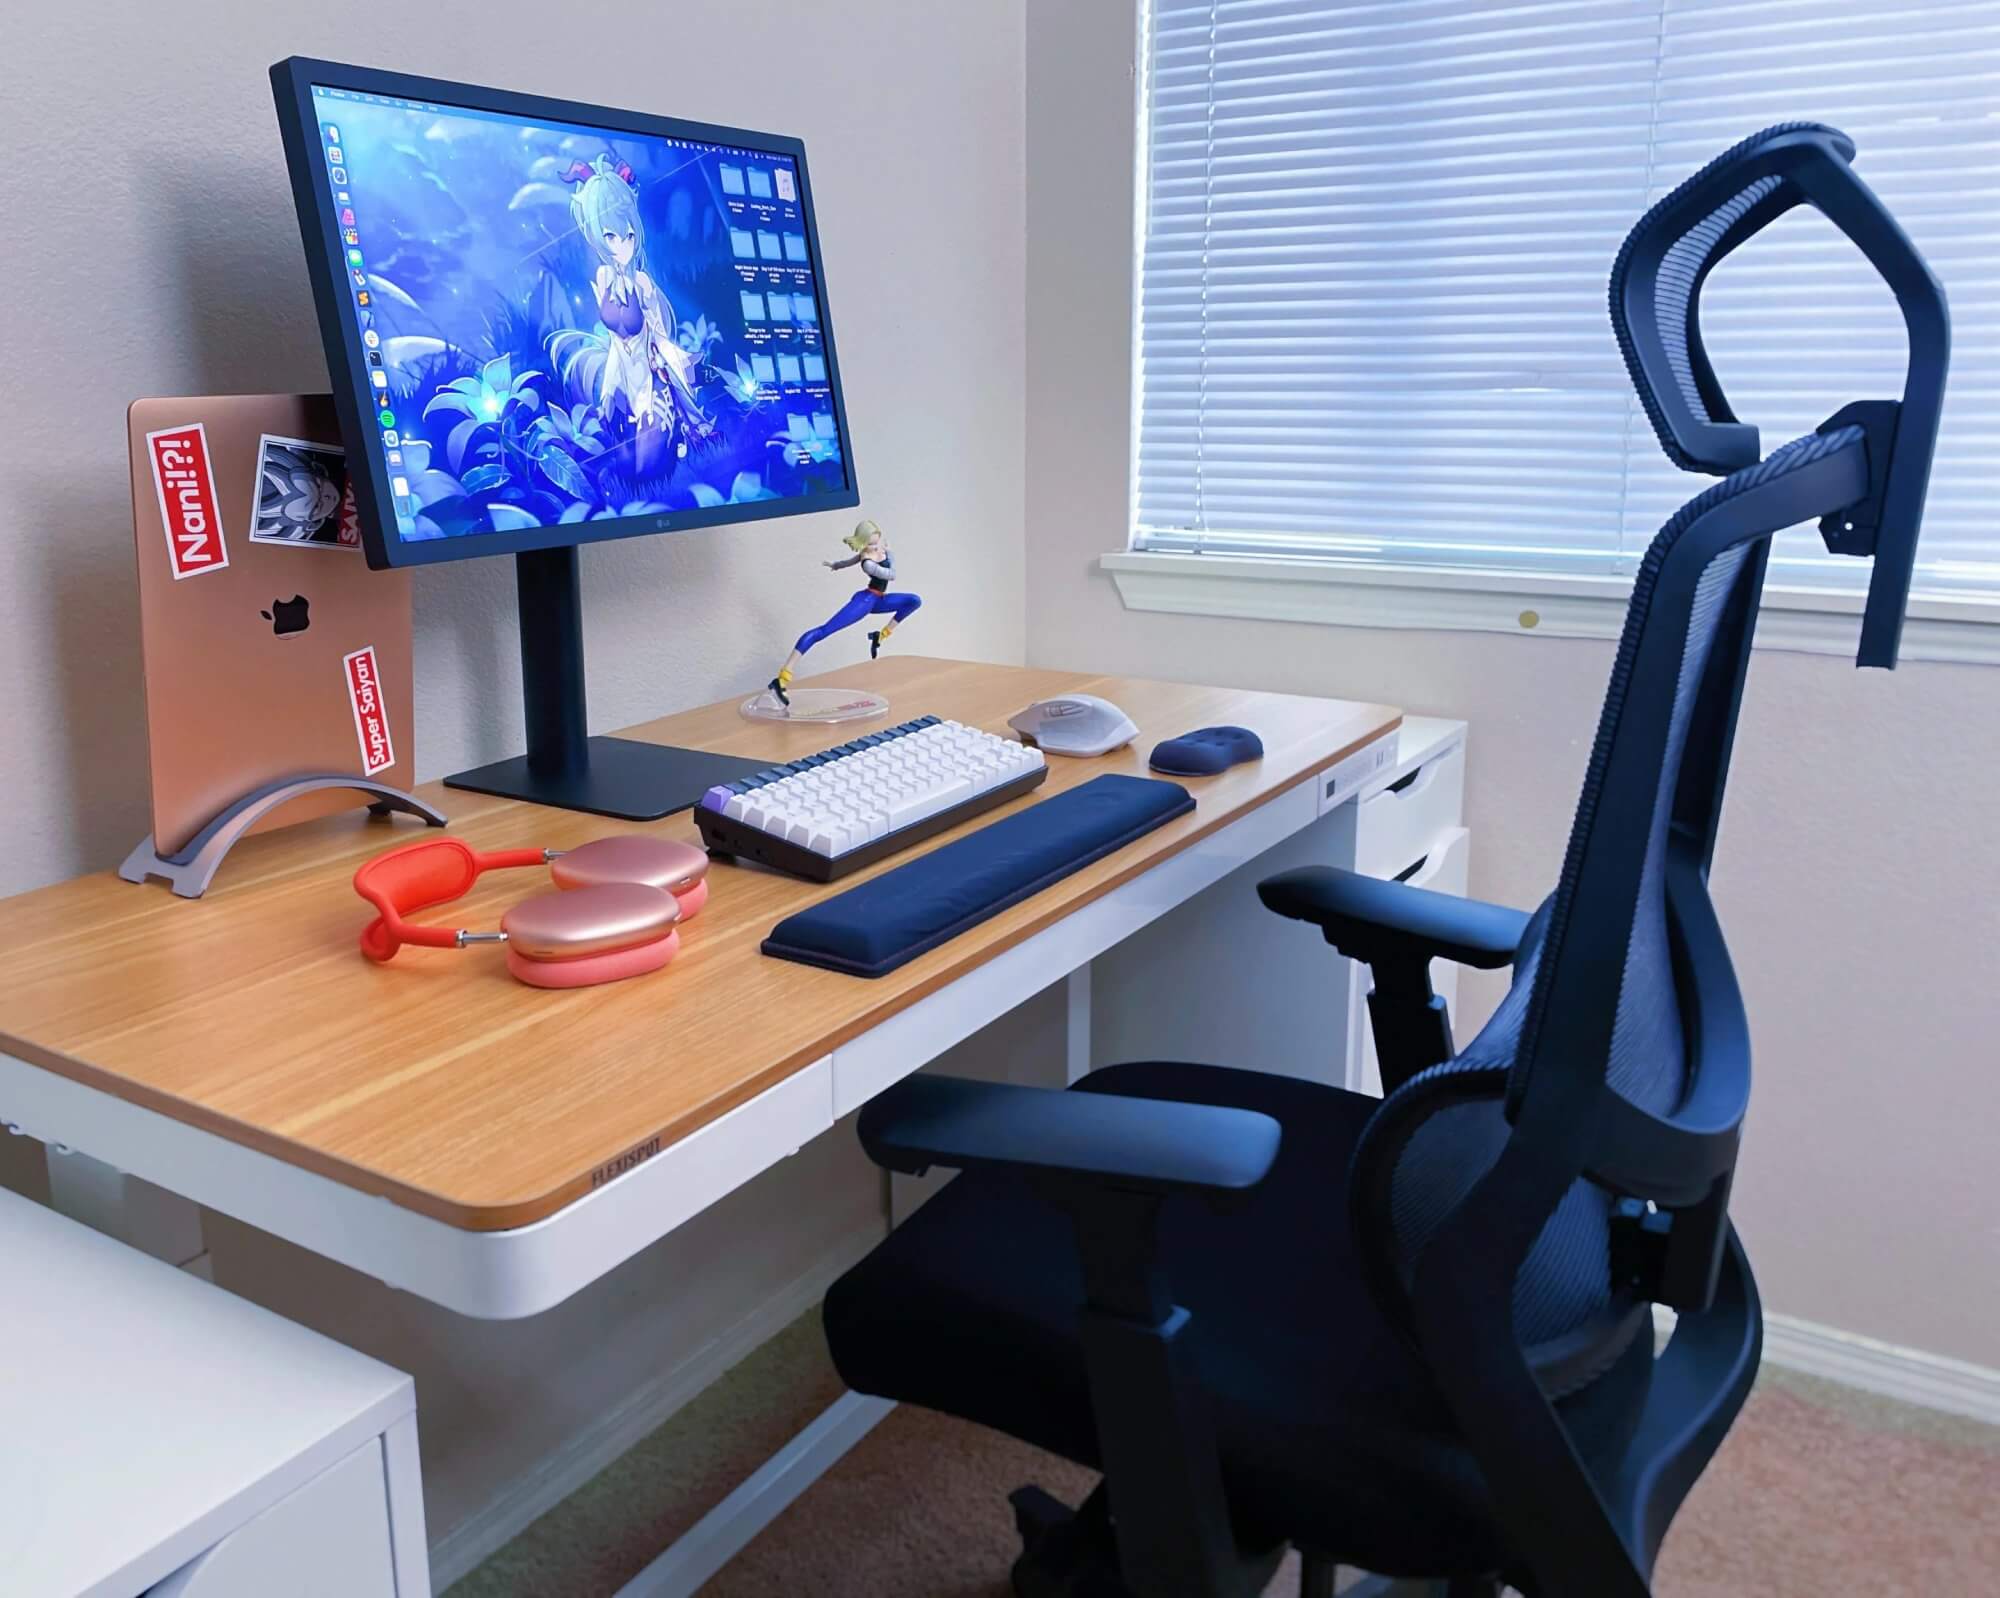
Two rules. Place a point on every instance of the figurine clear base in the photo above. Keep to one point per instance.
(818, 705)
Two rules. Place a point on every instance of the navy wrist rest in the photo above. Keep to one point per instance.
(889, 920)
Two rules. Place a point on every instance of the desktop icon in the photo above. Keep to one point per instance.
(353, 257)
(360, 278)
(379, 378)
(362, 297)
(347, 218)
(392, 437)
(370, 337)
(395, 457)
(787, 189)
(340, 176)
(335, 156)
(352, 236)
(341, 197)
(388, 419)
(332, 134)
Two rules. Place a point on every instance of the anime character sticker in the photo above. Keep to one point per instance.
(645, 391)
(304, 499)
(878, 567)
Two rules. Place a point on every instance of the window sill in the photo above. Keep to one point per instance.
(1356, 594)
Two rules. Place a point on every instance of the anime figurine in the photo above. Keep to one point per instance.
(645, 392)
(871, 554)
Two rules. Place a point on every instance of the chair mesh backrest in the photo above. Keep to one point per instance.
(1567, 1278)
(1441, 1132)
(1433, 1140)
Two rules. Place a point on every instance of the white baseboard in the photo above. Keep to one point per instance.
(648, 1407)
(1955, 1386)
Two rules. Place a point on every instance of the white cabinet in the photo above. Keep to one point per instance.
(327, 1539)
(163, 1437)
(1406, 826)
(1442, 867)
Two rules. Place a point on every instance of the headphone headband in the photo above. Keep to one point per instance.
(427, 872)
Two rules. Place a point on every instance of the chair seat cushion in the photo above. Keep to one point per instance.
(1330, 1431)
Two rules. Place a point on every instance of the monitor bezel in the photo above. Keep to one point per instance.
(292, 82)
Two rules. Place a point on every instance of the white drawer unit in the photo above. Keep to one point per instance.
(1400, 822)
(327, 1539)
(165, 1438)
(1441, 868)
(1407, 825)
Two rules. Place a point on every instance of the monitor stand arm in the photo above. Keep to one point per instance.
(564, 766)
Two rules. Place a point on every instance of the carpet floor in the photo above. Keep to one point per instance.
(1818, 1489)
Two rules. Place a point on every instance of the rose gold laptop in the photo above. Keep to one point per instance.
(271, 650)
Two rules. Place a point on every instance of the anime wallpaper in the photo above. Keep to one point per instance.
(560, 324)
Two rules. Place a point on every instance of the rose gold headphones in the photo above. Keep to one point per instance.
(616, 916)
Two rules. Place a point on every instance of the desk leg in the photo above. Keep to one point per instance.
(137, 1213)
(721, 1534)
(1077, 1056)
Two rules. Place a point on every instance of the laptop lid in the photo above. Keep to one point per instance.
(271, 650)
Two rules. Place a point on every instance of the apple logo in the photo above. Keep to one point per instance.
(287, 616)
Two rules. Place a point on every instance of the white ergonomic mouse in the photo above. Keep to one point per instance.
(1075, 724)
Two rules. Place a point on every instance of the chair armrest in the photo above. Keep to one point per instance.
(1371, 920)
(1097, 1140)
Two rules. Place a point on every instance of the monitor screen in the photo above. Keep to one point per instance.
(559, 327)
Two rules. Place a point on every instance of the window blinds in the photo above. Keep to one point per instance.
(1375, 242)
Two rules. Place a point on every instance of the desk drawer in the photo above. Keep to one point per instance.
(1393, 828)
(1445, 868)
(329, 1539)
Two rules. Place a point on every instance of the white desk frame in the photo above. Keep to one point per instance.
(508, 1274)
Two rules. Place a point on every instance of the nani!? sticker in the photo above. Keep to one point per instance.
(185, 483)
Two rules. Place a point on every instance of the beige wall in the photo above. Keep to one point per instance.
(1858, 874)
(151, 248)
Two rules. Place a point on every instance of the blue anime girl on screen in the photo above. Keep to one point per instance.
(565, 324)
(645, 397)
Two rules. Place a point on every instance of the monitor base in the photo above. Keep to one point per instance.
(621, 778)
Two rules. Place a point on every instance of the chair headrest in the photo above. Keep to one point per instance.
(1657, 279)
(1656, 286)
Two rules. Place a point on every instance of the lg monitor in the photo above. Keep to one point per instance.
(548, 324)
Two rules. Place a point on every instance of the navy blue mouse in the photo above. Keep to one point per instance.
(1206, 750)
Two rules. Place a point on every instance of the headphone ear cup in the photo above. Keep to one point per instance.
(680, 868)
(588, 921)
(586, 971)
(693, 899)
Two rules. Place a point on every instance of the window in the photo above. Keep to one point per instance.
(1375, 242)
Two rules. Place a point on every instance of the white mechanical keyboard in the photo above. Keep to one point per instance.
(846, 807)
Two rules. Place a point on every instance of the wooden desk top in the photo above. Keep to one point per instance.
(443, 1084)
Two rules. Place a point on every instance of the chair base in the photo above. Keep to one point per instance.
(1065, 1553)
(1072, 1553)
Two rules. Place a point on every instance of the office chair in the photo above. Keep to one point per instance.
(1414, 1335)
